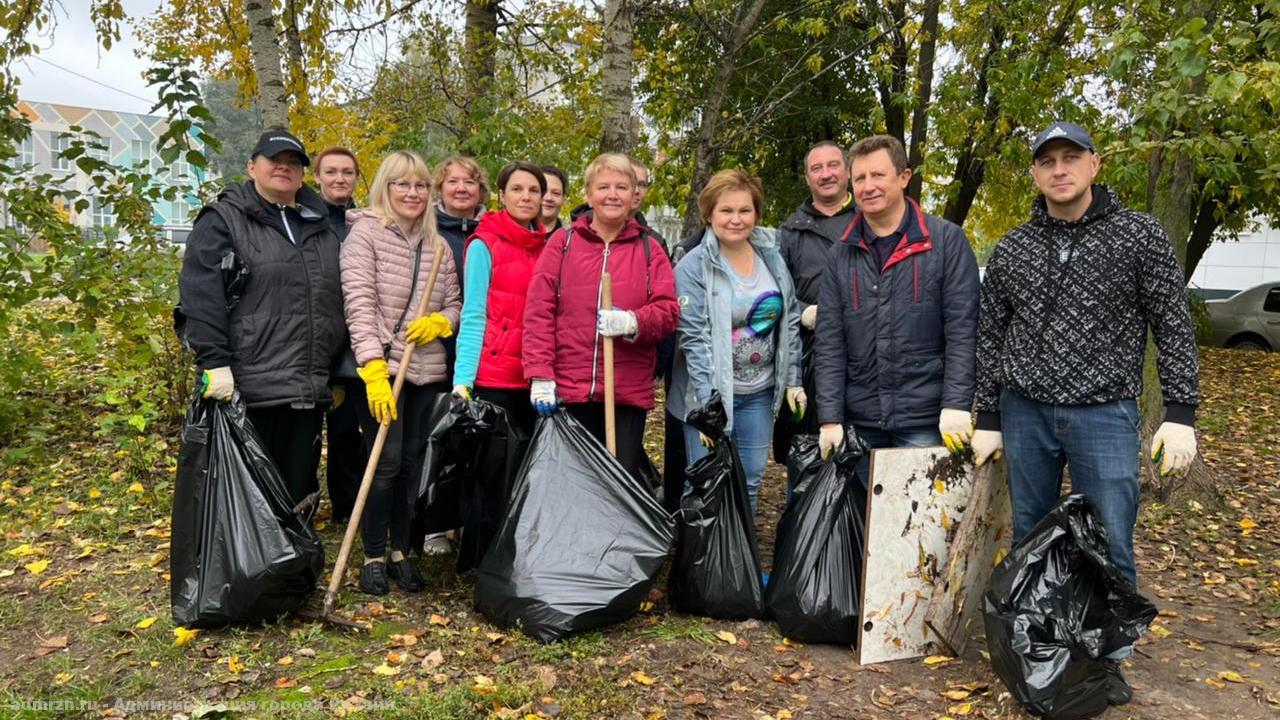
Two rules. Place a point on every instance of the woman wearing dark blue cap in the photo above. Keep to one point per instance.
(261, 304)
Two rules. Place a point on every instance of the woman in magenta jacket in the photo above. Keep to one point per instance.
(564, 327)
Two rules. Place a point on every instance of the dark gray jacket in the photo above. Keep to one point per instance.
(282, 333)
(896, 346)
(805, 241)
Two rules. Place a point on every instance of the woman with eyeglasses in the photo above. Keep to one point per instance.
(498, 267)
(386, 261)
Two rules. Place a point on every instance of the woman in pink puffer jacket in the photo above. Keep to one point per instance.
(381, 288)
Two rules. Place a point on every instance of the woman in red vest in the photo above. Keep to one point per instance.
(564, 327)
(497, 267)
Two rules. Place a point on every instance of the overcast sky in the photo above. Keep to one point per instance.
(111, 79)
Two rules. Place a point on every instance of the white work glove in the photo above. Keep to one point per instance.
(462, 391)
(616, 323)
(956, 429)
(217, 383)
(542, 395)
(797, 400)
(829, 437)
(809, 316)
(987, 444)
(1173, 447)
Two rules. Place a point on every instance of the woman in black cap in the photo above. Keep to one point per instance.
(261, 299)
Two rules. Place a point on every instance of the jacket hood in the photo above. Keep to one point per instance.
(501, 226)
(806, 214)
(584, 210)
(631, 230)
(1105, 202)
(761, 238)
(445, 220)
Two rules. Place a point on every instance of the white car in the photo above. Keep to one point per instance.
(1248, 320)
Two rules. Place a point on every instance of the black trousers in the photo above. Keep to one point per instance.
(389, 505)
(292, 439)
(516, 402)
(347, 451)
(630, 431)
(675, 458)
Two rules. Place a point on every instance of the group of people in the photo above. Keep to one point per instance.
(304, 304)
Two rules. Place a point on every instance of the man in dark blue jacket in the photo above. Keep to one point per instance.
(897, 316)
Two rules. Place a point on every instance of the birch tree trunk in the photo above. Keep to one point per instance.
(615, 78)
(273, 100)
(480, 63)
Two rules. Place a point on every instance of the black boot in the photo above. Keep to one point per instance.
(406, 575)
(373, 578)
(1118, 690)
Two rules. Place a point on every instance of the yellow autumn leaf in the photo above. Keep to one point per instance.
(1161, 630)
(385, 669)
(1244, 562)
(440, 620)
(642, 678)
(1247, 524)
(727, 636)
(1214, 683)
(94, 493)
(957, 694)
(37, 567)
(137, 488)
(146, 622)
(936, 660)
(1230, 676)
(1000, 555)
(234, 665)
(182, 636)
(286, 660)
(938, 486)
(964, 709)
(23, 550)
(783, 715)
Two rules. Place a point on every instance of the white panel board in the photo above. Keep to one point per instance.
(915, 501)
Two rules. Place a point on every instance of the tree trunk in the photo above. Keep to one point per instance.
(615, 77)
(273, 100)
(295, 60)
(481, 49)
(894, 19)
(924, 92)
(970, 165)
(707, 148)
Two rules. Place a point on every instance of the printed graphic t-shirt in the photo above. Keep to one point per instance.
(757, 308)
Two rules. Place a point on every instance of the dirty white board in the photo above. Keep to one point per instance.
(915, 501)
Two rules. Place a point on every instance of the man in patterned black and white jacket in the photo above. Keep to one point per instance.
(1065, 308)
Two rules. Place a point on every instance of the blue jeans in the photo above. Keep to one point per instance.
(919, 436)
(1098, 442)
(752, 433)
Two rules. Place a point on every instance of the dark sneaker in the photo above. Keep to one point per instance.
(1118, 690)
(406, 575)
(373, 578)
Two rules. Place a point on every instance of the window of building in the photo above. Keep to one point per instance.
(140, 152)
(180, 212)
(26, 151)
(100, 214)
(98, 148)
(58, 143)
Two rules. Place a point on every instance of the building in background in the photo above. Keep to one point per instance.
(1231, 266)
(130, 139)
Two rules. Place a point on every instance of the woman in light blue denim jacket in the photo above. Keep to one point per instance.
(739, 330)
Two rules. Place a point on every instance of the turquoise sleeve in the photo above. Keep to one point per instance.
(477, 267)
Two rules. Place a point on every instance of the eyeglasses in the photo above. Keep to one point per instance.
(403, 186)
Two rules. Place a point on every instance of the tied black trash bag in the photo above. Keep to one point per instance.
(716, 570)
(1055, 607)
(240, 554)
(581, 542)
(470, 464)
(813, 592)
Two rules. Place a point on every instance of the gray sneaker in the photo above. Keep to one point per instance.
(437, 544)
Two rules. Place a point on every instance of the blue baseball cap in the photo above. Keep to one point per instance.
(1070, 132)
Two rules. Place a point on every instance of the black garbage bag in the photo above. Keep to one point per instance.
(472, 456)
(581, 542)
(716, 570)
(813, 591)
(239, 553)
(1055, 607)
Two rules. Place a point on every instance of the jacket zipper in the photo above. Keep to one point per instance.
(595, 345)
(311, 327)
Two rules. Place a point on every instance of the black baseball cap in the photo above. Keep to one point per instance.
(274, 142)
(1070, 132)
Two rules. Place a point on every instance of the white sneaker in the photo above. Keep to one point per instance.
(437, 544)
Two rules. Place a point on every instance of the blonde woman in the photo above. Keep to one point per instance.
(385, 263)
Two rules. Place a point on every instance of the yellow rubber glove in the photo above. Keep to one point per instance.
(830, 435)
(956, 429)
(987, 445)
(707, 442)
(797, 401)
(217, 383)
(462, 391)
(378, 387)
(428, 328)
(1173, 447)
